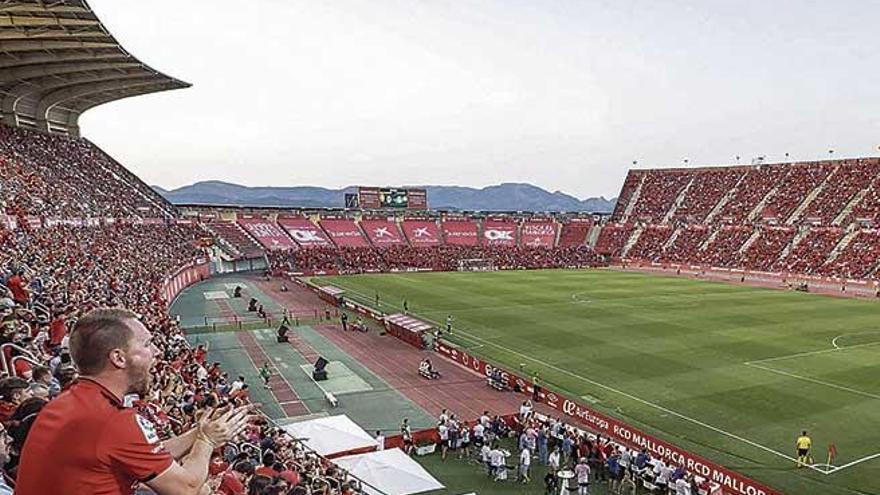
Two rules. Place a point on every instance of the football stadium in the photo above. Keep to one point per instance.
(714, 333)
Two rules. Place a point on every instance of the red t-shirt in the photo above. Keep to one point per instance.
(230, 485)
(85, 442)
(16, 286)
(57, 331)
(266, 471)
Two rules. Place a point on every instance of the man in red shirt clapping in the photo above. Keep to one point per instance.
(87, 441)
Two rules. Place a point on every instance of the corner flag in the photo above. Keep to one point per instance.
(832, 453)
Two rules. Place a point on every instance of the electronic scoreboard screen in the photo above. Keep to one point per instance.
(393, 198)
(374, 198)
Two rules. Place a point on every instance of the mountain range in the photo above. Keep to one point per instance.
(502, 197)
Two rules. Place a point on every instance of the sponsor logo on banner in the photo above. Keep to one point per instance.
(381, 232)
(499, 235)
(306, 236)
(422, 232)
(552, 400)
(541, 229)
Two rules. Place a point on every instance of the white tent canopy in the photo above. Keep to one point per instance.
(331, 435)
(391, 471)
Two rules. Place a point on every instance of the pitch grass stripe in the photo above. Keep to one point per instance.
(614, 390)
(813, 380)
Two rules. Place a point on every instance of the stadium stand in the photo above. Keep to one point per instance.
(650, 243)
(344, 232)
(613, 238)
(810, 218)
(422, 232)
(53, 176)
(808, 253)
(267, 233)
(659, 190)
(858, 258)
(574, 233)
(766, 249)
(460, 232)
(538, 233)
(382, 232)
(848, 179)
(499, 232)
(234, 238)
(304, 232)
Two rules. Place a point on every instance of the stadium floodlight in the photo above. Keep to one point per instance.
(737, 159)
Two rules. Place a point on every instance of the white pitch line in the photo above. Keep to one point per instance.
(813, 380)
(625, 394)
(812, 353)
(853, 463)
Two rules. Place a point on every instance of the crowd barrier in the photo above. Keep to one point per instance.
(184, 277)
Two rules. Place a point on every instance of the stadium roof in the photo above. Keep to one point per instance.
(57, 60)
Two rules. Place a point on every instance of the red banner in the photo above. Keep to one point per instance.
(268, 233)
(422, 232)
(304, 232)
(344, 232)
(460, 232)
(499, 233)
(382, 232)
(731, 482)
(538, 234)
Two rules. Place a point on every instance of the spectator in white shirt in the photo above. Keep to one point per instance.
(380, 440)
(582, 471)
(485, 452)
(554, 459)
(683, 486)
(525, 460)
(478, 434)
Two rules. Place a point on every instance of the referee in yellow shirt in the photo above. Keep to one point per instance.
(804, 446)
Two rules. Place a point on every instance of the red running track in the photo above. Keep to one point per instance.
(284, 394)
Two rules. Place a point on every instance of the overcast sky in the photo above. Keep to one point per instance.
(562, 94)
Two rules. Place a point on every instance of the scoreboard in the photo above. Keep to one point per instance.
(374, 198)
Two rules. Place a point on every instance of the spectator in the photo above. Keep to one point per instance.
(13, 391)
(97, 442)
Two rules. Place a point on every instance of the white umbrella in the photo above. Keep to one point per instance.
(391, 471)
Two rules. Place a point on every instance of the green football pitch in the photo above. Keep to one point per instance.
(733, 373)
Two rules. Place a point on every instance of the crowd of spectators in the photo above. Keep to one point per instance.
(766, 249)
(796, 216)
(705, 193)
(51, 278)
(612, 239)
(858, 260)
(794, 188)
(540, 447)
(847, 180)
(810, 252)
(234, 239)
(574, 233)
(659, 191)
(650, 243)
(436, 258)
(57, 176)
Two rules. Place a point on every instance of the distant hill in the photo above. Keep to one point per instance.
(503, 197)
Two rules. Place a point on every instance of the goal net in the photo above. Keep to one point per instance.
(476, 265)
